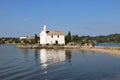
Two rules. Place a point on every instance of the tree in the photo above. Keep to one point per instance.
(36, 38)
(84, 39)
(75, 38)
(69, 36)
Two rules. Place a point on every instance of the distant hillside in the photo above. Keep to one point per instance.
(111, 38)
(115, 38)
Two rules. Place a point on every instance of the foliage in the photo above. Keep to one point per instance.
(10, 40)
(5, 40)
(75, 38)
(36, 38)
(68, 37)
(112, 38)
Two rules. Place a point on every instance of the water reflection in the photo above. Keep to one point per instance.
(47, 57)
(68, 55)
(36, 56)
(51, 57)
(25, 54)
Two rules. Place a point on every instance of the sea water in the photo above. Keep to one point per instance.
(42, 64)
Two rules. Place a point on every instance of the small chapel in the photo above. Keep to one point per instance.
(51, 37)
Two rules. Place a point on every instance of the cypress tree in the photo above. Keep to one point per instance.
(68, 37)
(36, 38)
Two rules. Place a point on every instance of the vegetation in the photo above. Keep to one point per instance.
(9, 40)
(36, 39)
(112, 38)
(68, 38)
(6, 40)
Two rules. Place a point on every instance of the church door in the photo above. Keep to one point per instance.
(56, 42)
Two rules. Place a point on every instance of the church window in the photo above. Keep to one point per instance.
(51, 36)
(58, 36)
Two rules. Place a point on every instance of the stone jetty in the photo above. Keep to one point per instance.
(115, 50)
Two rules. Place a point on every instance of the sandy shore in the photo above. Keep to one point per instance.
(113, 50)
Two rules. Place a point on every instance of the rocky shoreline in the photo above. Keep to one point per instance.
(115, 50)
(47, 47)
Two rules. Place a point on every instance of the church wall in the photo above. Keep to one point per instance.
(51, 39)
(43, 37)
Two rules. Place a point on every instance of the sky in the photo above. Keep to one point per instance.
(82, 17)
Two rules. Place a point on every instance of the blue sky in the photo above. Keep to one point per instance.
(82, 17)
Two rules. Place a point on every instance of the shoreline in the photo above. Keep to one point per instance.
(111, 50)
(115, 50)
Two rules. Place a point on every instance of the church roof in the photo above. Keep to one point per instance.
(55, 32)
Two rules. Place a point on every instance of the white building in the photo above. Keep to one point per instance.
(27, 37)
(51, 37)
(23, 37)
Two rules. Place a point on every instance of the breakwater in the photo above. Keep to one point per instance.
(115, 50)
(47, 47)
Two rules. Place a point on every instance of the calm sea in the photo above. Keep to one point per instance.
(36, 64)
(108, 44)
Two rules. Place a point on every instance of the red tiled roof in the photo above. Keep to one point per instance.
(55, 32)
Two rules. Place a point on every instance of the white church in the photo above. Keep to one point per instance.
(51, 37)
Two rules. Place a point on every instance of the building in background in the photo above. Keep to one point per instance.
(27, 37)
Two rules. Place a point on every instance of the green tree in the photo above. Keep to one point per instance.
(36, 38)
(68, 37)
(75, 38)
